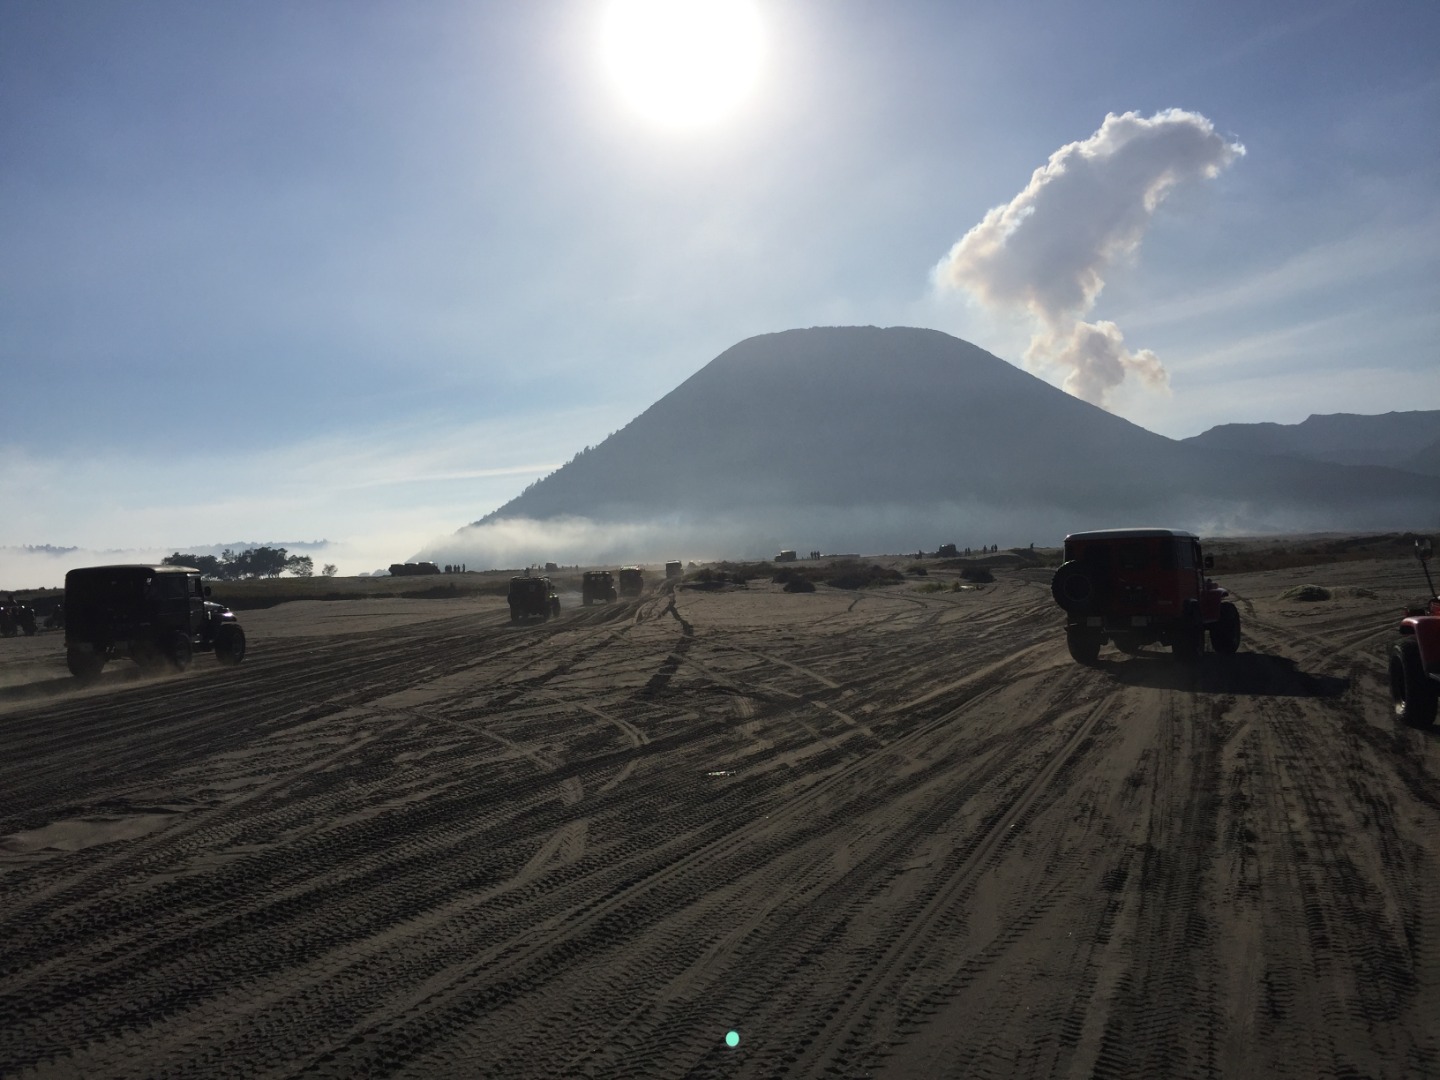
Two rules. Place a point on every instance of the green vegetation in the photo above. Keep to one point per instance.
(260, 562)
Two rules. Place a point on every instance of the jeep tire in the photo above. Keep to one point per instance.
(1411, 689)
(230, 644)
(1084, 646)
(1076, 588)
(1225, 633)
(178, 651)
(84, 663)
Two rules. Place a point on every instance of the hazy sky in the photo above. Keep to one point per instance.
(362, 271)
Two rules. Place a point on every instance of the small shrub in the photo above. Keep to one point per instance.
(799, 584)
(977, 574)
(855, 576)
(918, 571)
(1306, 593)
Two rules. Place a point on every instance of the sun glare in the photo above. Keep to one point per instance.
(682, 63)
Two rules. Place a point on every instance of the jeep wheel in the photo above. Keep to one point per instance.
(1084, 646)
(1075, 588)
(1225, 633)
(230, 644)
(84, 663)
(1411, 689)
(179, 652)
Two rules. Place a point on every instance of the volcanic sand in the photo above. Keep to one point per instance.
(881, 833)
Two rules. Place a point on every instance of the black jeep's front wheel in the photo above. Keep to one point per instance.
(230, 644)
(1411, 689)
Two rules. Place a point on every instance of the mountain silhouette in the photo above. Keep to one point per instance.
(1401, 440)
(871, 439)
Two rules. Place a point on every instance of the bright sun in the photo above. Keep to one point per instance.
(682, 63)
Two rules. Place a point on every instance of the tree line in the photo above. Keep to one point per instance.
(260, 562)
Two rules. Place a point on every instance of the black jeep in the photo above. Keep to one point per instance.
(156, 615)
(632, 581)
(1134, 587)
(15, 617)
(532, 598)
(597, 587)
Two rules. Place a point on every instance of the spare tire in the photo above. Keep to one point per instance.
(1077, 588)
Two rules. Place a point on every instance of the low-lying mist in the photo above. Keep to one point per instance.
(867, 529)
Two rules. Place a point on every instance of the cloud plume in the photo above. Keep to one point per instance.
(1048, 251)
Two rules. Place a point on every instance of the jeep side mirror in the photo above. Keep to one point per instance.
(207, 590)
(1423, 550)
(1209, 562)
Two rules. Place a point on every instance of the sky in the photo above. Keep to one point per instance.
(360, 272)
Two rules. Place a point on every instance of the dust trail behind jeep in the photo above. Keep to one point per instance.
(1137, 587)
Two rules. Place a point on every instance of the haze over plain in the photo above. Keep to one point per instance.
(290, 273)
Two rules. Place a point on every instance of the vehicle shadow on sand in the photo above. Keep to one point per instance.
(1250, 673)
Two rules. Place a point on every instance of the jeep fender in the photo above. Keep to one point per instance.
(1426, 629)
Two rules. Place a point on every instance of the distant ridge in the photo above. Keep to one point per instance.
(1401, 440)
(862, 438)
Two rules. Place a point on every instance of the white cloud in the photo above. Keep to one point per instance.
(1047, 252)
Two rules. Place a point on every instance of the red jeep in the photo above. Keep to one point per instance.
(1134, 587)
(1415, 658)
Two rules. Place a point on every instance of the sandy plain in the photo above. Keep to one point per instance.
(880, 833)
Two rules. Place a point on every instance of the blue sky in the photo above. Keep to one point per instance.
(362, 271)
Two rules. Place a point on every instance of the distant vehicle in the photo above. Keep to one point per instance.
(1415, 658)
(673, 570)
(411, 569)
(1134, 587)
(632, 581)
(15, 617)
(785, 556)
(532, 598)
(597, 587)
(155, 615)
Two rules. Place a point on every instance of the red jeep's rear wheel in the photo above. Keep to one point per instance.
(1411, 689)
(1084, 646)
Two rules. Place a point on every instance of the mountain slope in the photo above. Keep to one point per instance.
(886, 439)
(1397, 439)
